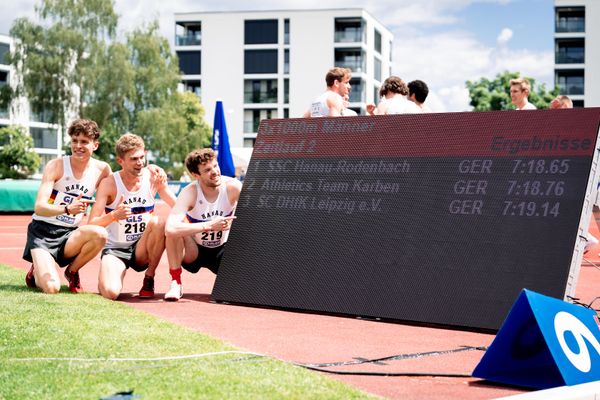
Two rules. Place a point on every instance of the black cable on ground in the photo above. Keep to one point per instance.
(320, 367)
(398, 357)
(366, 373)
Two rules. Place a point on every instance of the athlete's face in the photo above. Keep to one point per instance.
(210, 173)
(82, 147)
(343, 87)
(518, 95)
(133, 162)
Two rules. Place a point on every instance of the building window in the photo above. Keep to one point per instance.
(252, 118)
(350, 30)
(260, 61)
(286, 91)
(3, 82)
(578, 104)
(570, 51)
(377, 67)
(188, 33)
(41, 116)
(4, 52)
(249, 142)
(194, 87)
(376, 94)
(391, 52)
(351, 58)
(261, 31)
(570, 19)
(286, 61)
(357, 94)
(570, 81)
(44, 138)
(286, 113)
(260, 91)
(189, 62)
(286, 31)
(377, 41)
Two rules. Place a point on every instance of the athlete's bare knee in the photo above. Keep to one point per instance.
(50, 287)
(109, 293)
(157, 223)
(95, 232)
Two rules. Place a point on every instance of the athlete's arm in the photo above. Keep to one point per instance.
(106, 193)
(52, 173)
(234, 188)
(177, 226)
(335, 102)
(161, 186)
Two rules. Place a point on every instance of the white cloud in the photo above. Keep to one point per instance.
(443, 57)
(505, 35)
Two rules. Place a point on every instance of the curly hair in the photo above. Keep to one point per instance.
(395, 85)
(197, 157)
(128, 142)
(85, 127)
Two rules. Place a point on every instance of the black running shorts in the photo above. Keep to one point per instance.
(208, 257)
(49, 237)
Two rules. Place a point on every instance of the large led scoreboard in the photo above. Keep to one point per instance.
(431, 218)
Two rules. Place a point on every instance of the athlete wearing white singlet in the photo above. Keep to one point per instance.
(319, 107)
(56, 235)
(205, 211)
(198, 225)
(66, 190)
(401, 105)
(331, 103)
(125, 233)
(125, 205)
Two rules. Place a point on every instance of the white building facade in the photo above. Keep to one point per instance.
(272, 64)
(47, 140)
(577, 50)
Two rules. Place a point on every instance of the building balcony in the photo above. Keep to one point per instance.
(572, 89)
(251, 126)
(570, 25)
(260, 97)
(577, 58)
(349, 36)
(189, 40)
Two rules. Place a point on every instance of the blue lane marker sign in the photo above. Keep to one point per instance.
(543, 343)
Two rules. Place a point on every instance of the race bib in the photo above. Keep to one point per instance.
(65, 199)
(131, 229)
(211, 239)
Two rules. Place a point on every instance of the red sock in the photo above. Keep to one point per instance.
(176, 275)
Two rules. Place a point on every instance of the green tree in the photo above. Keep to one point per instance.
(181, 117)
(73, 66)
(488, 95)
(53, 59)
(17, 158)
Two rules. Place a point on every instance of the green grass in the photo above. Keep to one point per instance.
(35, 325)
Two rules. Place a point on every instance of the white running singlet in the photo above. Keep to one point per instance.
(67, 189)
(125, 232)
(204, 211)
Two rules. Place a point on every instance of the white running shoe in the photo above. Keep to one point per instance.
(591, 241)
(175, 291)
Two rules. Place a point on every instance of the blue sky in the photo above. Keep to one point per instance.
(443, 42)
(532, 22)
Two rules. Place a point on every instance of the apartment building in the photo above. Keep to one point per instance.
(577, 50)
(47, 139)
(272, 64)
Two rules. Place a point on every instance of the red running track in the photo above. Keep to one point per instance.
(312, 338)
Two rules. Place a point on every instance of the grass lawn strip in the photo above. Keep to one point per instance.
(80, 336)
